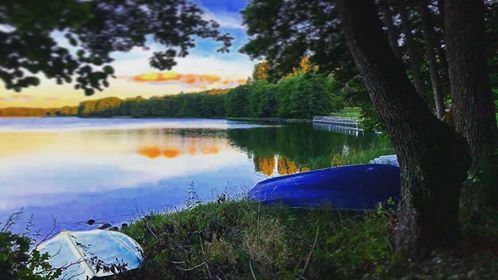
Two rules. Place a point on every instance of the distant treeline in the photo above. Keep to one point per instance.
(300, 96)
(39, 112)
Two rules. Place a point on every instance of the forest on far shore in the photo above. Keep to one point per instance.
(299, 96)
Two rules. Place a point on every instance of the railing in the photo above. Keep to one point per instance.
(351, 123)
(338, 129)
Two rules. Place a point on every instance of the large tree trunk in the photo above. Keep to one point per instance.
(430, 56)
(392, 35)
(415, 60)
(473, 103)
(431, 154)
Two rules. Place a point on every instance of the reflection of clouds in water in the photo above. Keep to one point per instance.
(96, 161)
(149, 151)
(154, 152)
(171, 152)
(185, 146)
(25, 177)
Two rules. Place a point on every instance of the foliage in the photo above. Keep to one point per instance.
(94, 29)
(17, 261)
(261, 71)
(307, 95)
(262, 99)
(300, 96)
(236, 102)
(284, 32)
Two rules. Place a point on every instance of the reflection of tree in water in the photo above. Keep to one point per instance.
(265, 165)
(286, 166)
(299, 147)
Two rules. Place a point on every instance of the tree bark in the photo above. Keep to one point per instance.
(392, 35)
(445, 79)
(431, 154)
(473, 104)
(415, 60)
(430, 56)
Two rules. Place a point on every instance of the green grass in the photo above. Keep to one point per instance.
(349, 112)
(238, 239)
(362, 155)
(354, 156)
(245, 240)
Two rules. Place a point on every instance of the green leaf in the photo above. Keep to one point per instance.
(108, 69)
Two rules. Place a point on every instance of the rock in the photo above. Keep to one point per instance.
(105, 226)
(386, 159)
(221, 198)
(114, 228)
(90, 222)
(124, 225)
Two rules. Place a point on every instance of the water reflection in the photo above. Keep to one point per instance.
(265, 165)
(300, 147)
(184, 146)
(115, 173)
(276, 165)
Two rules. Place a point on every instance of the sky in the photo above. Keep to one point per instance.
(202, 69)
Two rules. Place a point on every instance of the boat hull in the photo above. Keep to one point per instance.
(355, 187)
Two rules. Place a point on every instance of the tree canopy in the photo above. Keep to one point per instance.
(93, 31)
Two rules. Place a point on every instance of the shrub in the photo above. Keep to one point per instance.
(17, 261)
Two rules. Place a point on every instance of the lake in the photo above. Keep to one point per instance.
(60, 172)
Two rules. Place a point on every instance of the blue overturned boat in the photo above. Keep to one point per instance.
(354, 187)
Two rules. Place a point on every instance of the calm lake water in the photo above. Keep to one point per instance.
(116, 170)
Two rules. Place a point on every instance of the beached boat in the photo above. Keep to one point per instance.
(89, 254)
(354, 187)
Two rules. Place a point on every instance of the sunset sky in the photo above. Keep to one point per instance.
(203, 69)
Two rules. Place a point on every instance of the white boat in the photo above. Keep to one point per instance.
(88, 254)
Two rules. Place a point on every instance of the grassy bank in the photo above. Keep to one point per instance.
(245, 240)
(348, 112)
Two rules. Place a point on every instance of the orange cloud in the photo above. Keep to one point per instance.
(187, 79)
